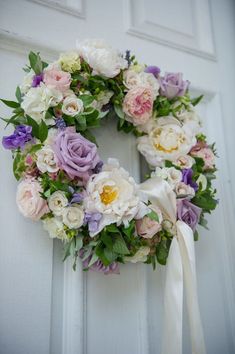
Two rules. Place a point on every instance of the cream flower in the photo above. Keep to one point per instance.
(133, 79)
(29, 200)
(38, 99)
(184, 190)
(46, 160)
(57, 202)
(191, 120)
(185, 161)
(72, 106)
(113, 193)
(70, 61)
(27, 82)
(170, 174)
(55, 228)
(103, 59)
(140, 256)
(166, 140)
(73, 216)
(102, 99)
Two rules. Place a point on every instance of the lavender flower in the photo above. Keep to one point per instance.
(187, 175)
(188, 212)
(93, 220)
(77, 198)
(155, 70)
(60, 123)
(37, 80)
(98, 266)
(19, 138)
(172, 85)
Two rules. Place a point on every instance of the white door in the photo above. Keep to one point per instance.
(44, 306)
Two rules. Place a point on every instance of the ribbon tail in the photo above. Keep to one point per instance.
(186, 245)
(173, 302)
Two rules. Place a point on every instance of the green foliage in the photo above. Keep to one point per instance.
(196, 100)
(162, 250)
(72, 248)
(39, 131)
(18, 165)
(36, 63)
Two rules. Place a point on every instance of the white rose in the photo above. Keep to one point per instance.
(57, 202)
(167, 140)
(184, 190)
(46, 160)
(70, 61)
(133, 79)
(72, 106)
(113, 193)
(202, 181)
(73, 216)
(185, 161)
(170, 174)
(140, 256)
(38, 99)
(27, 82)
(55, 228)
(103, 59)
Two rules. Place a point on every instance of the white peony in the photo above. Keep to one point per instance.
(38, 99)
(184, 190)
(170, 174)
(103, 59)
(73, 216)
(27, 82)
(72, 106)
(133, 79)
(46, 161)
(167, 139)
(140, 256)
(113, 193)
(55, 228)
(57, 202)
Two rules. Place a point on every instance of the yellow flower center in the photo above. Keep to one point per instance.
(109, 194)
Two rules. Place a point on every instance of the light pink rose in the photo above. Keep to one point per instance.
(57, 79)
(147, 227)
(29, 200)
(138, 105)
(203, 151)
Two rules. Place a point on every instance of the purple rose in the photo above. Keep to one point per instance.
(187, 174)
(37, 80)
(172, 85)
(98, 266)
(188, 212)
(19, 138)
(76, 155)
(155, 70)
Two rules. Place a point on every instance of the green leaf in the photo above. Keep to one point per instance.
(35, 62)
(81, 120)
(88, 135)
(162, 251)
(112, 228)
(107, 240)
(196, 100)
(16, 162)
(129, 231)
(11, 104)
(153, 216)
(79, 243)
(110, 255)
(18, 94)
(99, 250)
(34, 125)
(35, 148)
(42, 131)
(196, 235)
(86, 99)
(94, 258)
(119, 112)
(66, 252)
(119, 245)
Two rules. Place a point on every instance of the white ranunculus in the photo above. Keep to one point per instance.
(202, 181)
(38, 99)
(103, 59)
(133, 79)
(27, 82)
(140, 256)
(72, 106)
(167, 140)
(46, 161)
(73, 216)
(185, 161)
(170, 174)
(114, 194)
(184, 190)
(57, 202)
(55, 228)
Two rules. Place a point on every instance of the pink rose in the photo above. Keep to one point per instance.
(138, 105)
(203, 151)
(147, 227)
(57, 79)
(29, 200)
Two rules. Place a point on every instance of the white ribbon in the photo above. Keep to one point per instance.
(180, 267)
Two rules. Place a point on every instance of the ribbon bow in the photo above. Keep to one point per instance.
(180, 267)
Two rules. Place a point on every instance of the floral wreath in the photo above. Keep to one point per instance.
(96, 209)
